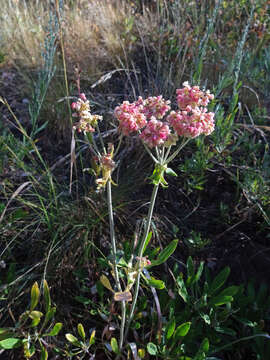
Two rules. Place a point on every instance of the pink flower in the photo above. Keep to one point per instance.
(192, 96)
(155, 133)
(130, 117)
(193, 123)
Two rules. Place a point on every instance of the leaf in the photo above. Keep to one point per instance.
(92, 338)
(36, 317)
(106, 282)
(182, 290)
(155, 283)
(204, 347)
(219, 280)
(170, 328)
(47, 298)
(73, 340)
(81, 331)
(230, 291)
(34, 296)
(182, 330)
(170, 172)
(220, 300)
(49, 315)
(114, 345)
(147, 240)
(225, 330)
(165, 253)
(10, 343)
(44, 353)
(199, 272)
(123, 296)
(55, 330)
(152, 348)
(190, 267)
(141, 353)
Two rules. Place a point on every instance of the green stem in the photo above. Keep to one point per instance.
(116, 274)
(145, 235)
(184, 142)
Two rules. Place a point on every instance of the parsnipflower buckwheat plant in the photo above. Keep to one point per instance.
(163, 132)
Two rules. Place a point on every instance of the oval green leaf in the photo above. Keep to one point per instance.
(34, 296)
(155, 283)
(55, 330)
(114, 345)
(152, 348)
(219, 280)
(81, 331)
(182, 330)
(47, 298)
(165, 253)
(10, 343)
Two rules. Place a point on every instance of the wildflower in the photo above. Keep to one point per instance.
(192, 123)
(155, 133)
(87, 121)
(155, 106)
(130, 117)
(192, 96)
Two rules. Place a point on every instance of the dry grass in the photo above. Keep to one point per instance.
(94, 31)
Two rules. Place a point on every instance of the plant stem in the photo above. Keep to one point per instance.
(115, 270)
(141, 250)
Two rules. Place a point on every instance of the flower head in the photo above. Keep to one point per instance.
(87, 121)
(155, 133)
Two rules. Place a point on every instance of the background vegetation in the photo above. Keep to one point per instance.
(218, 206)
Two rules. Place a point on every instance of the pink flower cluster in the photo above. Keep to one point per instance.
(192, 96)
(192, 119)
(146, 117)
(155, 133)
(130, 116)
(87, 121)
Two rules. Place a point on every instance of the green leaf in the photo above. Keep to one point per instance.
(225, 330)
(170, 172)
(92, 338)
(182, 290)
(10, 343)
(170, 328)
(182, 330)
(204, 347)
(55, 330)
(47, 297)
(155, 283)
(152, 348)
(81, 331)
(34, 296)
(220, 300)
(165, 253)
(73, 340)
(106, 282)
(190, 267)
(114, 345)
(36, 317)
(49, 315)
(44, 353)
(199, 272)
(147, 241)
(219, 280)
(230, 291)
